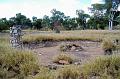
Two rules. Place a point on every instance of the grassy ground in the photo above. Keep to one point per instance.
(107, 67)
(90, 35)
(15, 63)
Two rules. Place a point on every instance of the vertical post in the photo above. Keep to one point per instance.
(109, 25)
(15, 34)
(112, 13)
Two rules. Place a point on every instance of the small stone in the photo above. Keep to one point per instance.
(73, 48)
(77, 63)
(40, 54)
(77, 50)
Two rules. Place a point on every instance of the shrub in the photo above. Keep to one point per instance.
(108, 46)
(64, 57)
(106, 67)
(69, 72)
(63, 47)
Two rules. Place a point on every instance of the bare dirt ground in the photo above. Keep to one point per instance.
(91, 50)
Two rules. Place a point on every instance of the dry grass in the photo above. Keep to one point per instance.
(107, 44)
(65, 57)
(105, 67)
(92, 35)
(15, 63)
(69, 72)
(44, 73)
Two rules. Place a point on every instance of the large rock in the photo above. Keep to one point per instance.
(63, 62)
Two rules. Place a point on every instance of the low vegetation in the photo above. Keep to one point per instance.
(16, 64)
(90, 35)
(45, 73)
(106, 67)
(69, 72)
(108, 46)
(23, 64)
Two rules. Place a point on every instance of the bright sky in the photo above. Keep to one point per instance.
(39, 8)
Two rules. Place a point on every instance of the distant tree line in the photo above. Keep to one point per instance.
(98, 20)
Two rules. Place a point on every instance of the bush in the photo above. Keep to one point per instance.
(64, 57)
(108, 46)
(107, 67)
(69, 72)
(63, 47)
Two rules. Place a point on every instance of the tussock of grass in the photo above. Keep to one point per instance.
(107, 44)
(106, 67)
(69, 72)
(45, 73)
(16, 63)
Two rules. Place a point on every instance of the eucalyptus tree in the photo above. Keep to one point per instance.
(111, 7)
(4, 24)
(57, 19)
(98, 15)
(46, 21)
(82, 18)
(113, 12)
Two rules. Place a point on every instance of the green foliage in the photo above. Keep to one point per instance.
(82, 18)
(3, 24)
(37, 24)
(106, 67)
(56, 15)
(118, 18)
(46, 21)
(22, 20)
(99, 20)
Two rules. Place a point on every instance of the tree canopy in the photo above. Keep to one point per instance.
(98, 20)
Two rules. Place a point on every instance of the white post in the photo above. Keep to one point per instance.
(109, 24)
